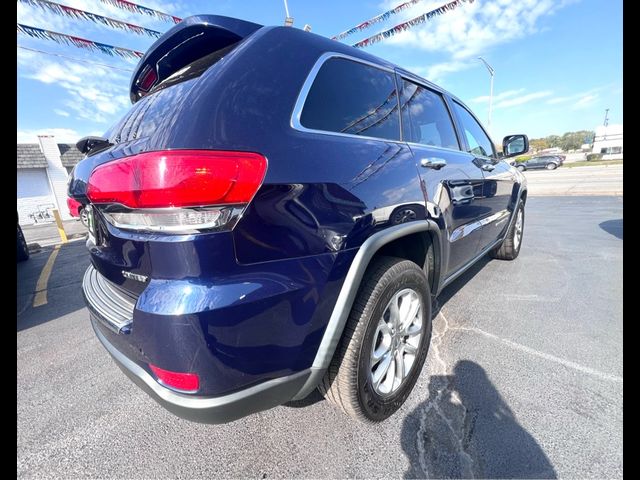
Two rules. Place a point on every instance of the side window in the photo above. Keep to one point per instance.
(479, 143)
(350, 97)
(425, 118)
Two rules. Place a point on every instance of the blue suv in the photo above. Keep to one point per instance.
(277, 213)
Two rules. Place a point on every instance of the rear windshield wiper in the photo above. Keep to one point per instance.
(87, 144)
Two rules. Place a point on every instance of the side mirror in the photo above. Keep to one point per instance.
(513, 145)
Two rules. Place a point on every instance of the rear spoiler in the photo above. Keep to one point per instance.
(191, 39)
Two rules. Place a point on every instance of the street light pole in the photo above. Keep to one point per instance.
(492, 73)
(288, 21)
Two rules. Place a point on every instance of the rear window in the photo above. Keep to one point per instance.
(352, 98)
(149, 112)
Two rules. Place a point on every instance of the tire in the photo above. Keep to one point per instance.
(22, 251)
(521, 168)
(510, 247)
(551, 166)
(349, 381)
(402, 215)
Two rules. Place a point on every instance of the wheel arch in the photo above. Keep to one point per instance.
(424, 233)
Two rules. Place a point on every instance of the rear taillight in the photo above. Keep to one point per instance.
(185, 382)
(74, 206)
(177, 190)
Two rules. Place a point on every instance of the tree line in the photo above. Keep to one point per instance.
(568, 141)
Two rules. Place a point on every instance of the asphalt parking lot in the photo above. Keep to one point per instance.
(523, 379)
(588, 180)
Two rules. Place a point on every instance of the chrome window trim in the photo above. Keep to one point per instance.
(445, 149)
(306, 86)
(441, 94)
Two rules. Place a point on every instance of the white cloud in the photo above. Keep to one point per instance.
(471, 29)
(586, 100)
(436, 72)
(522, 99)
(62, 135)
(496, 98)
(581, 99)
(95, 93)
(557, 100)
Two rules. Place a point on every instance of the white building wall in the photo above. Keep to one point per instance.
(608, 137)
(34, 194)
(57, 173)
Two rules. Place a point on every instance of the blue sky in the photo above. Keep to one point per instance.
(558, 63)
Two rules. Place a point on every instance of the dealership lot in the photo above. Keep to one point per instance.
(523, 378)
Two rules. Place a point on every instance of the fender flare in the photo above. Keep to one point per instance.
(346, 297)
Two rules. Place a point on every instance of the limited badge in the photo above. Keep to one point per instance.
(134, 276)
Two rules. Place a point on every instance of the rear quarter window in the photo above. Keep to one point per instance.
(352, 98)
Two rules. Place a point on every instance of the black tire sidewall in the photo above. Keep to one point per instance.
(374, 406)
(23, 249)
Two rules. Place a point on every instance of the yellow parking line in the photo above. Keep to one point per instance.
(41, 287)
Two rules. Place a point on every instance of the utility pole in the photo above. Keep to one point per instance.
(606, 117)
(492, 73)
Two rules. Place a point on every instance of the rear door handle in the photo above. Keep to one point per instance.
(433, 162)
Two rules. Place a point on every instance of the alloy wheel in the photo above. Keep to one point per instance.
(396, 342)
(517, 237)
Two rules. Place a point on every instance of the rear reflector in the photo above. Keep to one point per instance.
(185, 382)
(178, 178)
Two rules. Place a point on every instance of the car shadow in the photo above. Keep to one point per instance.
(64, 287)
(614, 227)
(465, 429)
(314, 397)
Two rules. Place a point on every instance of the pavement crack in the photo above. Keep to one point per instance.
(455, 437)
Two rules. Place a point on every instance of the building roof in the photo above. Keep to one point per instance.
(69, 154)
(30, 156)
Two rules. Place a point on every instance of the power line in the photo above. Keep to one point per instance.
(80, 60)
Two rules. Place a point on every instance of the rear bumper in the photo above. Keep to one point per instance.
(223, 409)
(250, 340)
